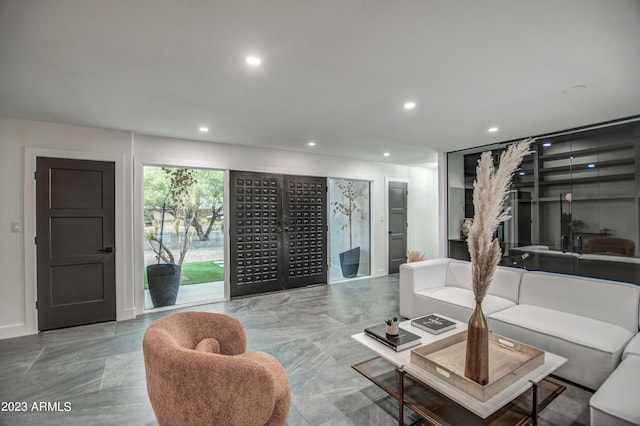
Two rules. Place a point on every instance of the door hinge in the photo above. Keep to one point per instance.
(35, 175)
(35, 240)
(36, 305)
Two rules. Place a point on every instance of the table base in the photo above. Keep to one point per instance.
(439, 410)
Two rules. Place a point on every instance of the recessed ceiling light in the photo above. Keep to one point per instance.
(591, 166)
(253, 60)
(311, 143)
(521, 173)
(386, 154)
(492, 129)
(203, 129)
(409, 105)
(546, 144)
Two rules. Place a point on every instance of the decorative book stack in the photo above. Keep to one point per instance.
(433, 324)
(404, 340)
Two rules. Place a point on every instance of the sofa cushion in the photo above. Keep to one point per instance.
(505, 283)
(457, 303)
(459, 275)
(593, 348)
(616, 402)
(633, 347)
(608, 301)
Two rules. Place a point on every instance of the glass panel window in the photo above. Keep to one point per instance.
(184, 242)
(574, 203)
(349, 226)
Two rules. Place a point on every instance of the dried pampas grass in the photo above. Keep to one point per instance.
(489, 192)
(414, 256)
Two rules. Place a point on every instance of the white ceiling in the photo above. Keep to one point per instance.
(335, 71)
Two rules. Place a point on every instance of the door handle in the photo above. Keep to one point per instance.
(106, 250)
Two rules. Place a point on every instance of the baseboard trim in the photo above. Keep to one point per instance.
(126, 314)
(13, 330)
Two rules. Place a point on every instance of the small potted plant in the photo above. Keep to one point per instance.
(393, 326)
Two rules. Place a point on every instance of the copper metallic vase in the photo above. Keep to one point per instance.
(476, 365)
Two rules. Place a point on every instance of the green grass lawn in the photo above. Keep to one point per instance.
(197, 273)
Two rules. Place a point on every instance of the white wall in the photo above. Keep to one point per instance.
(21, 141)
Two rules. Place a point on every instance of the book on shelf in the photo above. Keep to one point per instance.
(404, 340)
(433, 324)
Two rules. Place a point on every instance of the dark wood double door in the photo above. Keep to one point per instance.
(278, 232)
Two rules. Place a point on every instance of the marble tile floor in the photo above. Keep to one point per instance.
(94, 375)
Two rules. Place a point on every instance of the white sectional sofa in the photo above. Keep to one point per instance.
(590, 322)
(444, 286)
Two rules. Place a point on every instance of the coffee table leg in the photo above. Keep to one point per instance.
(534, 403)
(401, 396)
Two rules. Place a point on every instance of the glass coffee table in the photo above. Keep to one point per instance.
(440, 403)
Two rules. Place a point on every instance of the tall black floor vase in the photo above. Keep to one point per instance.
(350, 262)
(164, 283)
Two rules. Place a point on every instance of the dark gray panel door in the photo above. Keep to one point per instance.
(75, 228)
(397, 225)
(277, 232)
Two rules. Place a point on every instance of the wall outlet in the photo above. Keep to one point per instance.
(15, 227)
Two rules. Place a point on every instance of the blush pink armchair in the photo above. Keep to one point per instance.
(199, 373)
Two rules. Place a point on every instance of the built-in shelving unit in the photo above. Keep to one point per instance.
(585, 159)
(583, 183)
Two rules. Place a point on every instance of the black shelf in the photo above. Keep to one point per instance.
(589, 198)
(584, 167)
(586, 152)
(591, 179)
